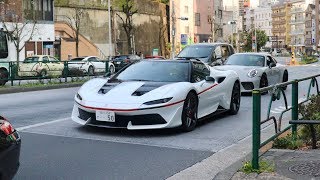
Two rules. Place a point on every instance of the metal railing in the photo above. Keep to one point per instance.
(14, 73)
(277, 91)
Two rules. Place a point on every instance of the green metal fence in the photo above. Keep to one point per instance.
(277, 91)
(10, 72)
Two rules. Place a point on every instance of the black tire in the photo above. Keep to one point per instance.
(189, 115)
(4, 75)
(264, 83)
(235, 99)
(43, 73)
(91, 70)
(285, 78)
(112, 69)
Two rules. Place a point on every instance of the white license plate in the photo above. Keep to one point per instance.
(106, 116)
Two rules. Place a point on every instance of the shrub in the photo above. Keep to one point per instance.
(287, 143)
(310, 111)
(264, 166)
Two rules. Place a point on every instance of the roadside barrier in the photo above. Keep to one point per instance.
(277, 93)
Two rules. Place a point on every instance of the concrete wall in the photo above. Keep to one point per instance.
(95, 26)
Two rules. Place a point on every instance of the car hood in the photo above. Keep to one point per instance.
(242, 71)
(129, 94)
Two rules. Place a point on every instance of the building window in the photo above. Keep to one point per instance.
(186, 29)
(186, 9)
(197, 19)
(38, 10)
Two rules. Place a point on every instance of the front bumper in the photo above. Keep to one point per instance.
(158, 118)
(248, 84)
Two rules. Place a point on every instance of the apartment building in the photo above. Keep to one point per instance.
(281, 27)
(310, 29)
(24, 13)
(203, 19)
(263, 21)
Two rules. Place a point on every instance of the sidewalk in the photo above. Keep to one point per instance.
(289, 164)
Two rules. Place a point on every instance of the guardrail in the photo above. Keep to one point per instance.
(34, 71)
(277, 91)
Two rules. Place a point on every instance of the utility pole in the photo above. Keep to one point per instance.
(109, 24)
(173, 33)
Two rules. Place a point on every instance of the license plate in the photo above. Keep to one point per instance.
(106, 116)
(118, 62)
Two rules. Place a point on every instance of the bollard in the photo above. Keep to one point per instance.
(295, 112)
(65, 71)
(256, 119)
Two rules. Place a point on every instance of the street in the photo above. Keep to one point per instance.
(54, 147)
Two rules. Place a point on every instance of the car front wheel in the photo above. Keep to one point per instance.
(190, 112)
(235, 99)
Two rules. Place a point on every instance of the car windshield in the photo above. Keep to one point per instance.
(196, 52)
(246, 60)
(159, 71)
(77, 59)
(31, 59)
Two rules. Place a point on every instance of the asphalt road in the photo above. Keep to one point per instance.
(54, 147)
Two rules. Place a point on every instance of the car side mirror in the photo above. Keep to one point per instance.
(272, 65)
(210, 79)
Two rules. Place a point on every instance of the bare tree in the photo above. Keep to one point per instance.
(77, 24)
(128, 7)
(20, 29)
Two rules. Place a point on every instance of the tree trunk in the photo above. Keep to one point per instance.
(129, 44)
(77, 47)
(18, 56)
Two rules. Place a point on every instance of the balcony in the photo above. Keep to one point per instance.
(296, 10)
(297, 32)
(298, 21)
(274, 15)
(279, 22)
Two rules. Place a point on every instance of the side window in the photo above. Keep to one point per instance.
(45, 59)
(199, 72)
(269, 60)
(225, 51)
(92, 59)
(231, 50)
(217, 52)
(54, 60)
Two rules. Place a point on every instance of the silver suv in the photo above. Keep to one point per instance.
(213, 54)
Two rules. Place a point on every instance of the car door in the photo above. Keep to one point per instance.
(216, 59)
(56, 67)
(29, 66)
(270, 71)
(99, 65)
(207, 99)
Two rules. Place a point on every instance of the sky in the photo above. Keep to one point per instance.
(254, 3)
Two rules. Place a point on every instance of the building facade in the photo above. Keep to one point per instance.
(35, 22)
(281, 27)
(310, 34)
(263, 21)
(203, 19)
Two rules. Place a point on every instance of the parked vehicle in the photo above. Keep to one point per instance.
(40, 65)
(155, 94)
(6, 55)
(256, 70)
(10, 143)
(213, 54)
(123, 60)
(90, 65)
(154, 57)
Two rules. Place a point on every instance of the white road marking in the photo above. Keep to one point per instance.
(41, 124)
(275, 112)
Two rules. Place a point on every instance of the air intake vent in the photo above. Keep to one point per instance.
(107, 87)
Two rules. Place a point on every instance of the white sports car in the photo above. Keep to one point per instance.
(90, 65)
(256, 70)
(154, 94)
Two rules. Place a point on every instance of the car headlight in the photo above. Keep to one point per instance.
(159, 101)
(79, 97)
(252, 73)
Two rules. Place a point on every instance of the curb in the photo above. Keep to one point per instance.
(11, 90)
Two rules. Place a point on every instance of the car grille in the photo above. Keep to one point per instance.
(122, 121)
(247, 85)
